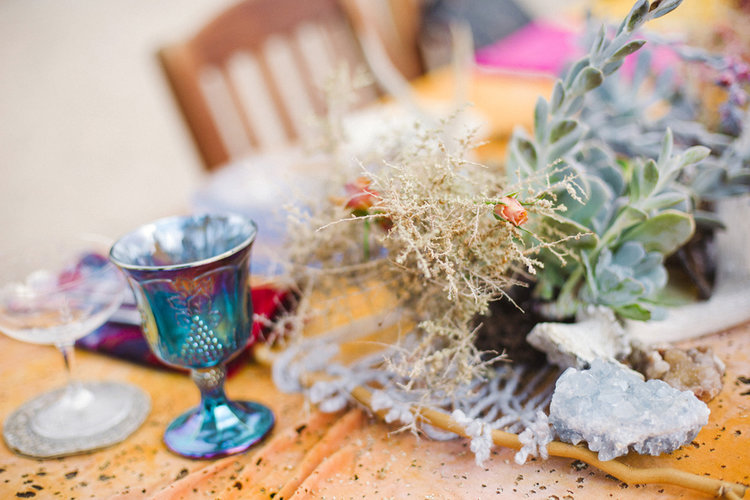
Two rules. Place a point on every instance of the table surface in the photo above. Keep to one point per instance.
(344, 455)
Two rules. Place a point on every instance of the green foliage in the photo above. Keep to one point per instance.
(651, 210)
(616, 114)
(626, 280)
(634, 210)
(557, 134)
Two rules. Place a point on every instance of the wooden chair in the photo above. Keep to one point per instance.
(249, 80)
(395, 25)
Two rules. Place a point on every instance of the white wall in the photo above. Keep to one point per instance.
(90, 140)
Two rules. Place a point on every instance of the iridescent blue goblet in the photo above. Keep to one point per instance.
(190, 278)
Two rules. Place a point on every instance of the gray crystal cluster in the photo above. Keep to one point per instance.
(612, 408)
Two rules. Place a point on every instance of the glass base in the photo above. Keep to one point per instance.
(224, 429)
(76, 419)
(82, 410)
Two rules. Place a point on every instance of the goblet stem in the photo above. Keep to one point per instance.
(210, 382)
(218, 426)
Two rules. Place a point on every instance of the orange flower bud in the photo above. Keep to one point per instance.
(511, 210)
(361, 197)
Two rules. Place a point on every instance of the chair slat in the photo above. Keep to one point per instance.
(288, 77)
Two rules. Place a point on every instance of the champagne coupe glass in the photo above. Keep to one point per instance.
(56, 294)
(190, 279)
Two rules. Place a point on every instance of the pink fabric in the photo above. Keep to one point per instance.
(537, 47)
(545, 48)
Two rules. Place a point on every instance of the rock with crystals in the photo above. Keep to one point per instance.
(612, 408)
(596, 334)
(697, 369)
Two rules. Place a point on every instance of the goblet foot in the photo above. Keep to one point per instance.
(219, 430)
(74, 419)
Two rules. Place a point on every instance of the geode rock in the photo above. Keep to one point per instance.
(697, 370)
(612, 409)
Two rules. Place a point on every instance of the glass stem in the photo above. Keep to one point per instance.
(210, 382)
(68, 353)
(75, 395)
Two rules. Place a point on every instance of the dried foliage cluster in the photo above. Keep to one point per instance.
(427, 229)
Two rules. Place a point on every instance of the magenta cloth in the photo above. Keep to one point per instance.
(536, 48)
(126, 341)
(543, 48)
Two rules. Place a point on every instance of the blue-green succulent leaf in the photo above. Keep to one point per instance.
(629, 254)
(627, 217)
(634, 311)
(528, 151)
(627, 49)
(628, 276)
(708, 220)
(634, 186)
(558, 95)
(561, 129)
(650, 177)
(589, 78)
(659, 8)
(637, 14)
(566, 144)
(663, 233)
(569, 227)
(597, 196)
(666, 147)
(576, 69)
(540, 119)
(664, 200)
(611, 67)
(596, 47)
(694, 155)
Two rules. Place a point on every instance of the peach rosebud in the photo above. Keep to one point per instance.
(511, 210)
(361, 197)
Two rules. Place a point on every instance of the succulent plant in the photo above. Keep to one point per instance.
(626, 281)
(616, 115)
(557, 134)
(631, 212)
(634, 202)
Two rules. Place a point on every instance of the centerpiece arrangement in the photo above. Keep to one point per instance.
(602, 217)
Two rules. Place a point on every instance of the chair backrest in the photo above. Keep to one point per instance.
(396, 25)
(250, 79)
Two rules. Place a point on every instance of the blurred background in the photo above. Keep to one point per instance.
(91, 139)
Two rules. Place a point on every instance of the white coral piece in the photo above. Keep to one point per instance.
(397, 411)
(480, 434)
(596, 335)
(510, 400)
(535, 439)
